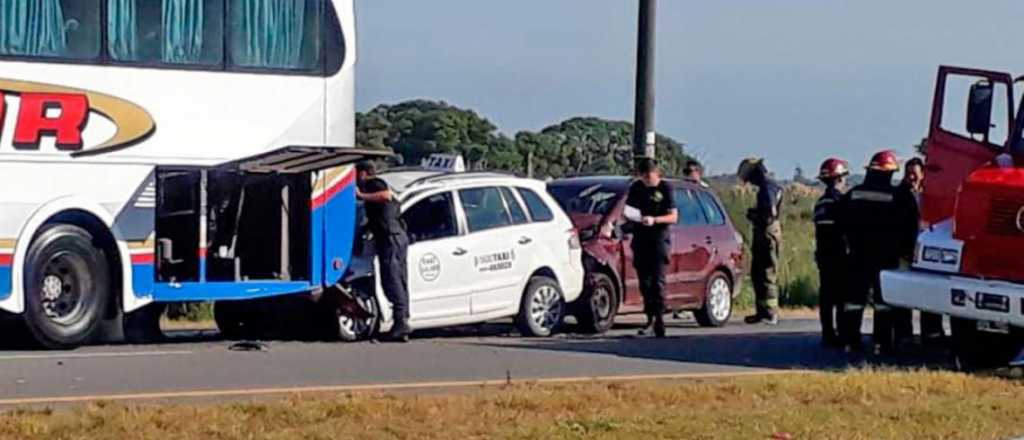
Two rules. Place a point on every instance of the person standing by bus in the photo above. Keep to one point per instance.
(651, 206)
(765, 217)
(392, 243)
(830, 252)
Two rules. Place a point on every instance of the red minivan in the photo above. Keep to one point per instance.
(706, 261)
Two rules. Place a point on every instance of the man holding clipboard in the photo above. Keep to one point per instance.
(651, 207)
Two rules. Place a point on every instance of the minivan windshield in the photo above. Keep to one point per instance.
(589, 199)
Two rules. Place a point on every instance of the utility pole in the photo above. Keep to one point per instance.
(644, 135)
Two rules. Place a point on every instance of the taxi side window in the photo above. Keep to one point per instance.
(514, 208)
(432, 218)
(712, 209)
(484, 208)
(539, 211)
(691, 213)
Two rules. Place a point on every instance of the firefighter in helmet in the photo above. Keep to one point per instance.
(765, 217)
(880, 223)
(831, 251)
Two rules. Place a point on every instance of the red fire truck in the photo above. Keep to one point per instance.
(967, 263)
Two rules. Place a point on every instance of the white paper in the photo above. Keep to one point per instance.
(632, 214)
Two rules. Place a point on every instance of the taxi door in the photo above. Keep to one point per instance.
(495, 256)
(437, 260)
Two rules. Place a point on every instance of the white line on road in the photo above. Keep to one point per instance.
(384, 387)
(120, 354)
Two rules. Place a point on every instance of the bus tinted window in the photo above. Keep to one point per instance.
(275, 34)
(50, 28)
(166, 31)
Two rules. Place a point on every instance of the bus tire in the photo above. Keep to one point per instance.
(67, 287)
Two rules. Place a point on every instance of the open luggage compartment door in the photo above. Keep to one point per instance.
(303, 159)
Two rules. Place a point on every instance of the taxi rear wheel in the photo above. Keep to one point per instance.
(542, 308)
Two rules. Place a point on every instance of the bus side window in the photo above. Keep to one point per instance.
(68, 29)
(287, 38)
(179, 32)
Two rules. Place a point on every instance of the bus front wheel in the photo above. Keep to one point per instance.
(67, 287)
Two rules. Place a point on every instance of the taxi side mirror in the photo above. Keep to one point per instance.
(979, 108)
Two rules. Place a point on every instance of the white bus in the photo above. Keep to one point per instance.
(158, 151)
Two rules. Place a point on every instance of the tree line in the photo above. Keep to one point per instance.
(581, 145)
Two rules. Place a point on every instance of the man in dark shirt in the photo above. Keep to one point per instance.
(831, 251)
(650, 205)
(384, 221)
(765, 217)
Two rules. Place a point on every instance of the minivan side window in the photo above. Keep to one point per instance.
(432, 218)
(68, 29)
(485, 209)
(691, 213)
(539, 211)
(712, 209)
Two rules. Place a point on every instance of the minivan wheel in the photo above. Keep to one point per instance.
(717, 302)
(67, 287)
(541, 309)
(597, 308)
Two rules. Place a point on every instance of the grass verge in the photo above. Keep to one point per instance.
(855, 405)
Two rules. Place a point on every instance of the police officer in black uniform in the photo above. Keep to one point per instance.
(880, 224)
(831, 251)
(392, 243)
(651, 207)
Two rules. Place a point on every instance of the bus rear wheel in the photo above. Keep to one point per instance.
(67, 287)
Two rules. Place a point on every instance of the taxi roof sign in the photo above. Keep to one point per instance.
(452, 163)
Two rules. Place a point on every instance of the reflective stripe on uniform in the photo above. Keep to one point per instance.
(882, 308)
(851, 307)
(825, 222)
(871, 196)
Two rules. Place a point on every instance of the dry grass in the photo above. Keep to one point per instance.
(857, 405)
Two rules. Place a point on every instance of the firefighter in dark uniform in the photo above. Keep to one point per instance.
(392, 243)
(880, 223)
(651, 207)
(765, 217)
(830, 252)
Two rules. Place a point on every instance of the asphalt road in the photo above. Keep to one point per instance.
(199, 365)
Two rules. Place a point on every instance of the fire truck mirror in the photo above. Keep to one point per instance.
(979, 108)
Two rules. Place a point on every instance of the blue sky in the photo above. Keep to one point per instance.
(791, 80)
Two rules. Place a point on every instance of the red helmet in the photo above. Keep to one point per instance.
(833, 168)
(884, 161)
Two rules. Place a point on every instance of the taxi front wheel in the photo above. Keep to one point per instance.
(542, 308)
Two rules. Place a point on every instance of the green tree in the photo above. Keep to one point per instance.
(416, 129)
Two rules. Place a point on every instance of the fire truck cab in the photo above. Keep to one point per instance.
(966, 264)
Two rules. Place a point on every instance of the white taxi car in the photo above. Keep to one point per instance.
(484, 246)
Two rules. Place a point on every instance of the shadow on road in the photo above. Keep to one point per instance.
(769, 350)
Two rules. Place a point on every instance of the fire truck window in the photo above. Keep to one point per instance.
(954, 110)
(176, 32)
(275, 34)
(50, 28)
